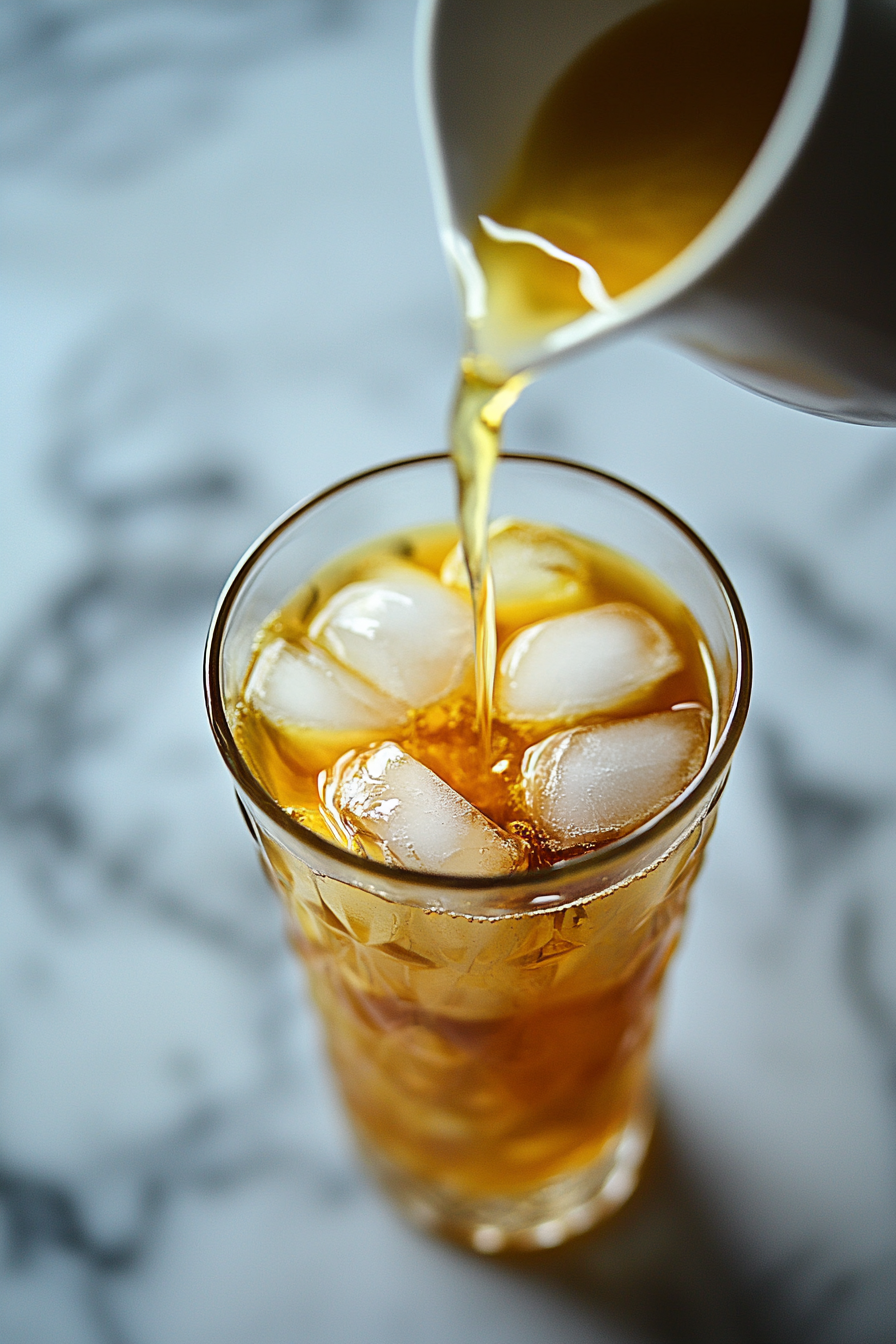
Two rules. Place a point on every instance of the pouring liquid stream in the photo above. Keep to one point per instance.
(630, 155)
(475, 444)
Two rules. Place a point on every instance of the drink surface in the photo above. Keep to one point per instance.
(561, 602)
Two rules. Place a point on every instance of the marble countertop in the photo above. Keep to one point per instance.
(223, 291)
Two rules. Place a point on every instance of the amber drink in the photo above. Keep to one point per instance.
(485, 928)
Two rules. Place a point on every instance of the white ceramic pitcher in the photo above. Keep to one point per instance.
(791, 288)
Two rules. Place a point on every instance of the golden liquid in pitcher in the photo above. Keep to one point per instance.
(632, 153)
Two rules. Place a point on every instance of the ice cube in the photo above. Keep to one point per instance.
(587, 662)
(301, 686)
(393, 808)
(405, 633)
(531, 566)
(587, 784)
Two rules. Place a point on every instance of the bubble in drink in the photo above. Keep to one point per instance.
(586, 785)
(532, 568)
(587, 662)
(405, 633)
(392, 808)
(300, 687)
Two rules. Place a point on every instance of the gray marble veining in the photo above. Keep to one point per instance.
(224, 290)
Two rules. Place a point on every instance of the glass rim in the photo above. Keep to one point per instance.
(570, 870)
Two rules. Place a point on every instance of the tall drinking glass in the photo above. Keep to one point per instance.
(490, 1037)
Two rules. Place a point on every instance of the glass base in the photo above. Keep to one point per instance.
(536, 1220)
